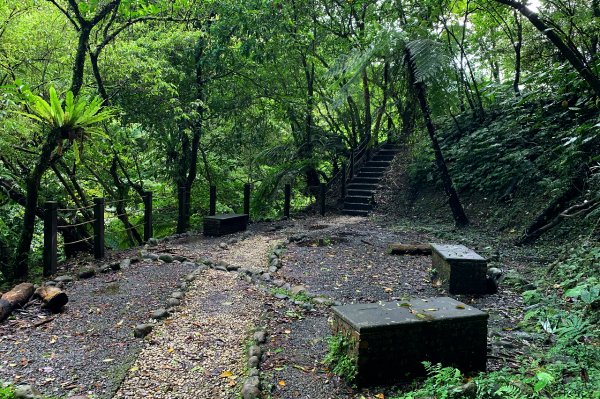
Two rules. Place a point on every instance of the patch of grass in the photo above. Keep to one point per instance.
(340, 357)
(301, 296)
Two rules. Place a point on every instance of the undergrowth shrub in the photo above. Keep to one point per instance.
(339, 357)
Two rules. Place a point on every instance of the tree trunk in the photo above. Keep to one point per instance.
(517, 46)
(53, 297)
(458, 212)
(32, 184)
(18, 296)
(576, 60)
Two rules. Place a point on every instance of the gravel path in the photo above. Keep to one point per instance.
(88, 347)
(199, 351)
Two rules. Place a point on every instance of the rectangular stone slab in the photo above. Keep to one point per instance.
(223, 224)
(461, 269)
(392, 339)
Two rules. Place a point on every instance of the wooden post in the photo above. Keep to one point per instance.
(247, 188)
(343, 185)
(351, 165)
(213, 201)
(50, 234)
(181, 222)
(287, 191)
(99, 228)
(322, 192)
(148, 230)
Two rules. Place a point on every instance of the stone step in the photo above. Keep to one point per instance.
(362, 186)
(373, 175)
(367, 180)
(378, 164)
(372, 169)
(355, 206)
(387, 152)
(360, 193)
(358, 199)
(384, 157)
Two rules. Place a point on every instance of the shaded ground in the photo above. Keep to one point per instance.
(89, 348)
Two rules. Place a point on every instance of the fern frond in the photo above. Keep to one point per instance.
(429, 59)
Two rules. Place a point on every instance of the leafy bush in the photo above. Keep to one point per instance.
(340, 357)
(6, 393)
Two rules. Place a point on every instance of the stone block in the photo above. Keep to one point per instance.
(223, 224)
(461, 270)
(390, 340)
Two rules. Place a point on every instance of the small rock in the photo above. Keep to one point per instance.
(286, 286)
(223, 245)
(280, 296)
(253, 362)
(253, 372)
(278, 283)
(467, 391)
(232, 241)
(272, 269)
(141, 330)
(105, 269)
(189, 264)
(51, 282)
(275, 263)
(152, 242)
(160, 314)
(232, 268)
(254, 350)
(64, 279)
(124, 264)
(250, 390)
(173, 302)
(166, 258)
(295, 290)
(322, 301)
(180, 258)
(206, 260)
(177, 295)
(266, 276)
(272, 257)
(298, 303)
(307, 306)
(152, 256)
(86, 273)
(27, 392)
(221, 268)
(190, 277)
(183, 286)
(278, 252)
(260, 337)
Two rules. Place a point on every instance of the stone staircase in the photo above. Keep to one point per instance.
(361, 188)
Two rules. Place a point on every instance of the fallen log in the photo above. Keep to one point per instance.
(18, 296)
(53, 297)
(409, 249)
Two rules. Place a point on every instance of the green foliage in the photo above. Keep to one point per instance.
(340, 356)
(7, 392)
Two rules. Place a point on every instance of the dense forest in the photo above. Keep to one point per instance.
(493, 103)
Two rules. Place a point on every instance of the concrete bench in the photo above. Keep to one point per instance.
(461, 270)
(390, 340)
(219, 225)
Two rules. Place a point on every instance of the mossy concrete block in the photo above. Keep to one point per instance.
(390, 340)
(461, 270)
